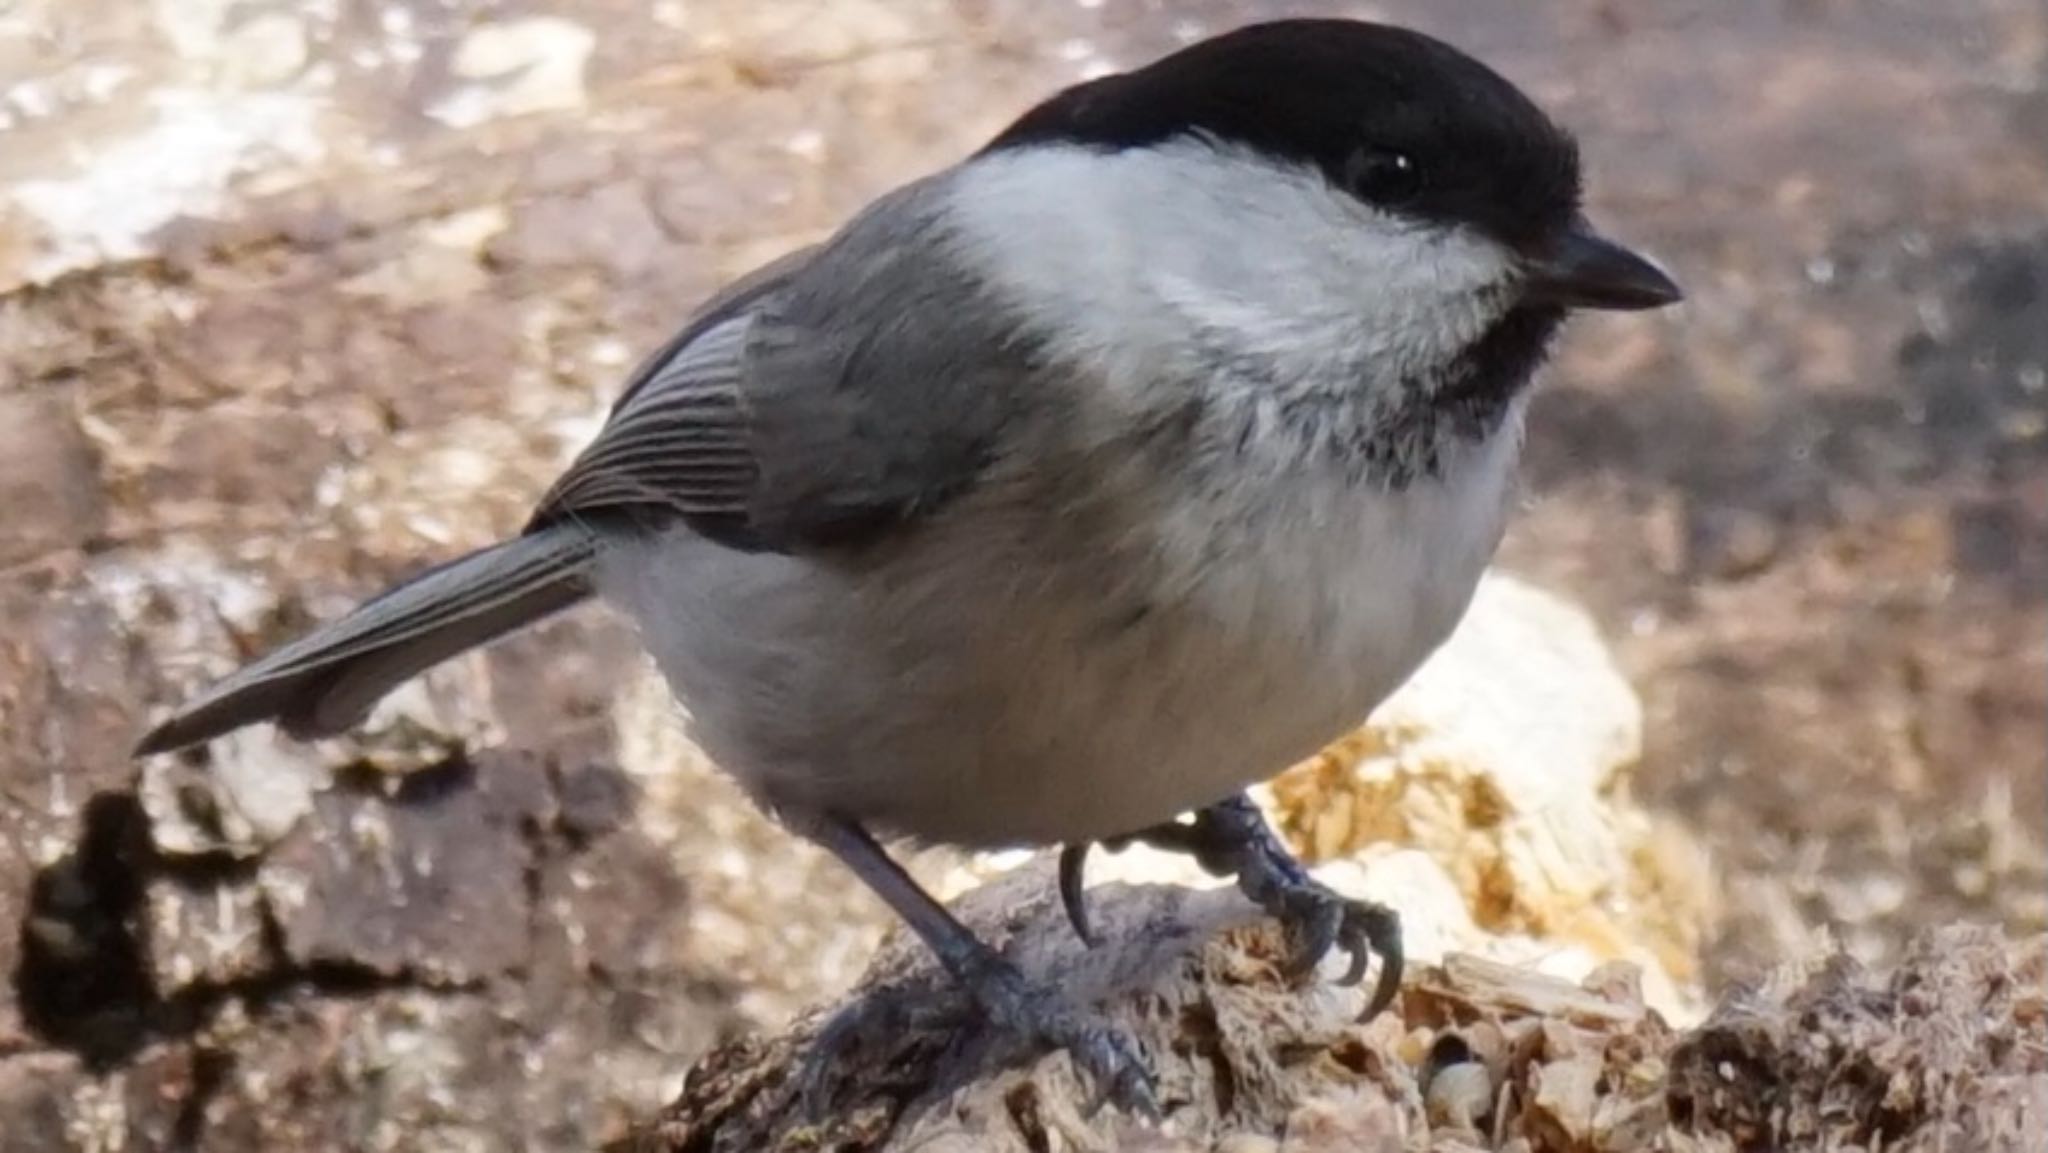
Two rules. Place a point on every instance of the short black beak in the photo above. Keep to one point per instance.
(1582, 269)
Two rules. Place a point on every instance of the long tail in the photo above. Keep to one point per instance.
(327, 681)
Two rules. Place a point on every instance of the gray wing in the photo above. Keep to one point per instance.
(685, 396)
(840, 391)
(833, 394)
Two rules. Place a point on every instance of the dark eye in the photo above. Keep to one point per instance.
(1382, 176)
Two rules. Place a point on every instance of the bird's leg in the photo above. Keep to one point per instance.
(1107, 1054)
(1231, 838)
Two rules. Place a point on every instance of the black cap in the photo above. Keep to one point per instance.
(1395, 117)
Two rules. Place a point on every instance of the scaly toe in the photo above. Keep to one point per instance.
(845, 1039)
(1315, 921)
(1118, 1071)
(1320, 920)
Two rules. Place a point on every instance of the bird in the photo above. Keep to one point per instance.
(1067, 491)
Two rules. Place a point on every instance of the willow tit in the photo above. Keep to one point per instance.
(1071, 489)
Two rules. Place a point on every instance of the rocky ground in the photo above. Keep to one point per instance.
(295, 297)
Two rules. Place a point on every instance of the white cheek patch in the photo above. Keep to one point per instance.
(1126, 256)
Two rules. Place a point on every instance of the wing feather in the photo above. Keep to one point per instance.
(841, 392)
(676, 442)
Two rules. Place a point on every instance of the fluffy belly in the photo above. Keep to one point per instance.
(980, 695)
(1004, 724)
(1126, 744)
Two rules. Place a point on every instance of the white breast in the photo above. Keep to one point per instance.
(1357, 584)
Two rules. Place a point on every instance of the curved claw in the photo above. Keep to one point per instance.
(1382, 930)
(1073, 866)
(1321, 920)
(1232, 836)
(1361, 959)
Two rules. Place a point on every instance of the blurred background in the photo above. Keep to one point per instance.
(296, 296)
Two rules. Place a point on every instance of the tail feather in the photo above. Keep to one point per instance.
(326, 681)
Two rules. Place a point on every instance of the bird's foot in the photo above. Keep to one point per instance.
(1106, 1055)
(1231, 838)
(863, 1035)
(1102, 1052)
